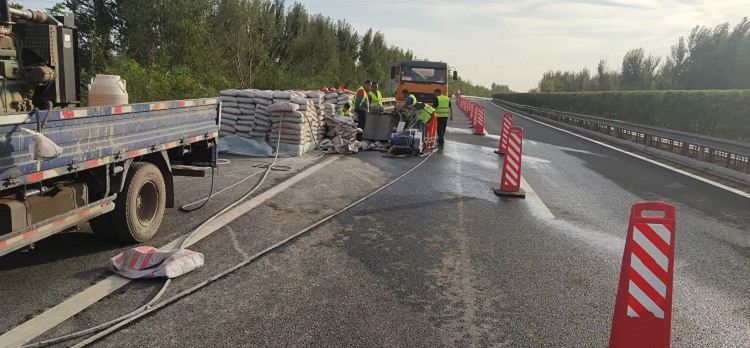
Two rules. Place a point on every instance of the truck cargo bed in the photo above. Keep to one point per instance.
(98, 135)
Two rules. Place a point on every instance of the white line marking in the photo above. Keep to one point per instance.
(54, 316)
(646, 301)
(696, 177)
(651, 249)
(632, 313)
(662, 231)
(535, 201)
(649, 276)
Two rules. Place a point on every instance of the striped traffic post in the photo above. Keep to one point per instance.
(507, 123)
(510, 181)
(479, 124)
(643, 308)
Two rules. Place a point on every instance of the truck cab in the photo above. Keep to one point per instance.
(421, 78)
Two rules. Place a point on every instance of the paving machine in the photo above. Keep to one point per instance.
(38, 60)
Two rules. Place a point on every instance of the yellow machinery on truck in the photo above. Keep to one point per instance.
(421, 78)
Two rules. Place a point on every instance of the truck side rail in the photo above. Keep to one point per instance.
(96, 136)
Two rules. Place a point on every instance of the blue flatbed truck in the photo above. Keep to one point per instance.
(115, 170)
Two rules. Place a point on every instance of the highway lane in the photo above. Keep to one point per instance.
(438, 260)
(590, 189)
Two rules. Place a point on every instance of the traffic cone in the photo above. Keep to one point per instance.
(507, 123)
(643, 307)
(510, 182)
(479, 121)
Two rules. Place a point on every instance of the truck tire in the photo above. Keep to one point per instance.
(139, 209)
(103, 227)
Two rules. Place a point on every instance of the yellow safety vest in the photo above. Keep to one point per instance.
(425, 115)
(443, 107)
(376, 100)
(343, 112)
(364, 98)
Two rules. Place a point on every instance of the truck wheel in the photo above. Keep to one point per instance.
(139, 209)
(103, 227)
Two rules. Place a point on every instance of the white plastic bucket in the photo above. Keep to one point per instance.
(107, 90)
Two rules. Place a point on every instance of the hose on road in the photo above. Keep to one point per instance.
(249, 260)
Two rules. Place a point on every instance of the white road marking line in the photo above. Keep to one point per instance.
(535, 201)
(691, 175)
(41, 323)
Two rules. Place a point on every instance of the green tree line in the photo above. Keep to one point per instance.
(708, 59)
(470, 89)
(171, 49)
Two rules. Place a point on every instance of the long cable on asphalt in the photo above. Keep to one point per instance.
(182, 244)
(252, 258)
(112, 325)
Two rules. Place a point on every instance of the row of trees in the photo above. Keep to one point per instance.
(468, 88)
(710, 58)
(169, 49)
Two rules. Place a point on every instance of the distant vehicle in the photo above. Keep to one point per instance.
(421, 79)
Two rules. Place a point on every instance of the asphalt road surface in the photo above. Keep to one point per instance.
(436, 259)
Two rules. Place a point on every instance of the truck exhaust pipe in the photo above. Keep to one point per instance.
(33, 16)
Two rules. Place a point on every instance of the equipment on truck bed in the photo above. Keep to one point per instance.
(38, 60)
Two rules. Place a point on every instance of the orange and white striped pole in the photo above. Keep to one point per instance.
(510, 182)
(643, 308)
(507, 123)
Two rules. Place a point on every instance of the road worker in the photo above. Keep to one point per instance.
(344, 111)
(444, 110)
(424, 115)
(409, 102)
(362, 106)
(376, 98)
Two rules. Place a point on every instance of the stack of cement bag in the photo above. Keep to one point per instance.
(246, 119)
(342, 132)
(263, 99)
(332, 98)
(229, 112)
(316, 98)
(290, 128)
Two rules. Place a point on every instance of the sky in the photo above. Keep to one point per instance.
(514, 42)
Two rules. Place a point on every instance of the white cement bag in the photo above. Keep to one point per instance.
(283, 107)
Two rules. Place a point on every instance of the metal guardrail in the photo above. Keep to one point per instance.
(727, 153)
